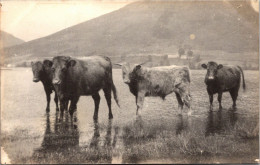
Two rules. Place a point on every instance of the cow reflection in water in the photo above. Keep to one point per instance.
(101, 149)
(95, 142)
(61, 140)
(61, 145)
(181, 125)
(218, 122)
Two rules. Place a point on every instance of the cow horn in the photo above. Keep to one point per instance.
(118, 64)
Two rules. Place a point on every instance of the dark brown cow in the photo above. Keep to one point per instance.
(157, 81)
(221, 79)
(73, 78)
(42, 72)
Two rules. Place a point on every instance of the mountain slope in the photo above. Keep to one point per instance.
(9, 40)
(154, 27)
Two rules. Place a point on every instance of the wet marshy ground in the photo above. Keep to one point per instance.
(160, 135)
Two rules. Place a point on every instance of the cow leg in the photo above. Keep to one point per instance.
(48, 95)
(62, 107)
(48, 98)
(107, 92)
(56, 102)
(96, 99)
(219, 100)
(211, 102)
(234, 94)
(73, 105)
(180, 103)
(67, 105)
(140, 101)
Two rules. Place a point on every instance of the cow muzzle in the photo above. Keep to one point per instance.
(211, 78)
(36, 79)
(56, 82)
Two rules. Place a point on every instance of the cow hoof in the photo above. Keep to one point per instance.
(71, 113)
(61, 118)
(138, 113)
(47, 109)
(234, 108)
(110, 116)
(95, 117)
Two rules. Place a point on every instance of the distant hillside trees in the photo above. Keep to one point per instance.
(181, 52)
(189, 54)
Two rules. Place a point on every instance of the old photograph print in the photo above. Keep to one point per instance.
(120, 81)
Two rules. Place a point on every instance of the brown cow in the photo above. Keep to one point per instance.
(221, 79)
(74, 78)
(42, 72)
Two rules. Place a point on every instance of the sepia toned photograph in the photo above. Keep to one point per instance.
(129, 81)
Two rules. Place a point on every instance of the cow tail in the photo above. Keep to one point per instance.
(112, 83)
(244, 84)
(115, 94)
(188, 74)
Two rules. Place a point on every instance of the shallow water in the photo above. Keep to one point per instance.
(160, 134)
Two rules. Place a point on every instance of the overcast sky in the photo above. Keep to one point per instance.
(29, 20)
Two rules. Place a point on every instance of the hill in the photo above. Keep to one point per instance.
(154, 27)
(9, 40)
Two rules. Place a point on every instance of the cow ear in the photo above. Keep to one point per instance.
(47, 63)
(71, 63)
(220, 66)
(204, 66)
(138, 67)
(118, 64)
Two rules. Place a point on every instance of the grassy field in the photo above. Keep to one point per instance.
(160, 135)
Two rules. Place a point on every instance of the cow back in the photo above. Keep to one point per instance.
(89, 75)
(160, 81)
(228, 77)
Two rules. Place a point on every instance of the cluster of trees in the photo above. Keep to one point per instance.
(186, 49)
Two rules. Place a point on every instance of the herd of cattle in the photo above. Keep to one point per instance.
(71, 78)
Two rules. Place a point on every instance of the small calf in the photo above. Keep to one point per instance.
(42, 72)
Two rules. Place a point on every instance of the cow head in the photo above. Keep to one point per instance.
(127, 71)
(182, 87)
(60, 67)
(47, 64)
(37, 69)
(212, 70)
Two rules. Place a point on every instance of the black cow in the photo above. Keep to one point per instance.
(157, 81)
(42, 72)
(73, 78)
(221, 79)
